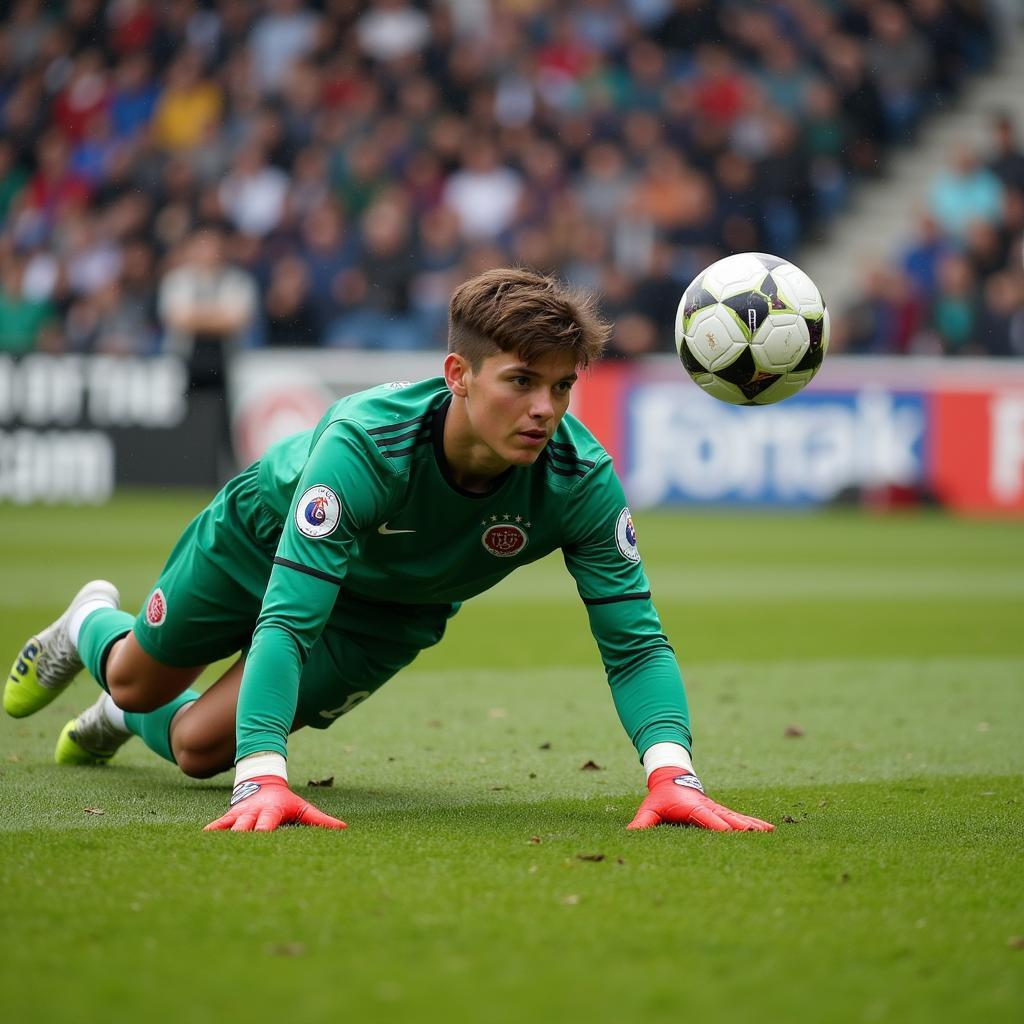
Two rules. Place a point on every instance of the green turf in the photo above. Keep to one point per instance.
(485, 876)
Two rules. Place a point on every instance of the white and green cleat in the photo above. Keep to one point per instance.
(49, 660)
(91, 738)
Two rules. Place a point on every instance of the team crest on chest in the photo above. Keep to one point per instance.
(318, 511)
(505, 535)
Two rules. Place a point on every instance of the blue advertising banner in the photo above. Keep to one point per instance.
(681, 446)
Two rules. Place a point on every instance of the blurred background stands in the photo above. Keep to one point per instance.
(359, 159)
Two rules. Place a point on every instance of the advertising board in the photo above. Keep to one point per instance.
(72, 428)
(952, 429)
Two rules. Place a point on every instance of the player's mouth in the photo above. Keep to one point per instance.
(533, 438)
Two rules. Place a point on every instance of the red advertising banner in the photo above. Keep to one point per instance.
(977, 451)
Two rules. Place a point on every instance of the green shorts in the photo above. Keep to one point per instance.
(207, 599)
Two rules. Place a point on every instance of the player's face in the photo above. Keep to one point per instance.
(512, 407)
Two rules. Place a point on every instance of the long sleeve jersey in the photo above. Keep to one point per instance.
(367, 504)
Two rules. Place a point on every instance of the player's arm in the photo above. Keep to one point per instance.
(602, 554)
(344, 489)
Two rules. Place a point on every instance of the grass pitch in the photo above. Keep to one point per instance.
(858, 681)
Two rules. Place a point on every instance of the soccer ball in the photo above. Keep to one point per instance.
(752, 329)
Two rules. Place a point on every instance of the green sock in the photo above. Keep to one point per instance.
(101, 629)
(154, 727)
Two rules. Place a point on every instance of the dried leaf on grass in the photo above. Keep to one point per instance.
(286, 949)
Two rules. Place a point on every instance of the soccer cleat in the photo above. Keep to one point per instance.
(91, 738)
(49, 661)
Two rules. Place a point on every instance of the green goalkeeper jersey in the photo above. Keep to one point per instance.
(368, 506)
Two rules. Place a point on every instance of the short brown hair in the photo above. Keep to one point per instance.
(512, 310)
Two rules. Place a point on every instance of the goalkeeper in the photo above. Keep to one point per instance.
(339, 555)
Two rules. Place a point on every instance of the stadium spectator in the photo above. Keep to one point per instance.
(13, 178)
(954, 310)
(377, 286)
(206, 306)
(133, 99)
(286, 33)
(392, 29)
(1000, 327)
(253, 194)
(24, 321)
(290, 318)
(1007, 161)
(483, 193)
(903, 66)
(924, 255)
(188, 105)
(887, 319)
(965, 192)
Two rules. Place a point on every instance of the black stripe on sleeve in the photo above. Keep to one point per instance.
(566, 453)
(566, 472)
(400, 452)
(307, 570)
(397, 426)
(621, 597)
(382, 442)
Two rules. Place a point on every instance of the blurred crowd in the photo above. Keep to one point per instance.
(295, 173)
(958, 289)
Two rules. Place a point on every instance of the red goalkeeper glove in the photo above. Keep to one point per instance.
(263, 803)
(676, 797)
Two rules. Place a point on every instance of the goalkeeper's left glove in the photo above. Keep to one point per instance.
(676, 797)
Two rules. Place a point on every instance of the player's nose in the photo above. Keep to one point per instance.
(542, 408)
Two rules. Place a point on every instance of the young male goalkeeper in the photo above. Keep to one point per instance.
(339, 555)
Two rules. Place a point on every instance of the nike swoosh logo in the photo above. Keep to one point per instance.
(385, 531)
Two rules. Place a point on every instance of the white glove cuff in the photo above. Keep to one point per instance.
(667, 755)
(266, 763)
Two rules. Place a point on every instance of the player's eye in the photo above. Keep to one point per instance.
(564, 386)
(521, 382)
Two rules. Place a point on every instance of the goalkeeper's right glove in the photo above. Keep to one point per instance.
(263, 803)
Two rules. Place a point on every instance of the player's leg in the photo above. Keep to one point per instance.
(202, 734)
(364, 645)
(50, 660)
(194, 731)
(203, 609)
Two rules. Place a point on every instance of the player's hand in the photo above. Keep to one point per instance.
(676, 797)
(263, 803)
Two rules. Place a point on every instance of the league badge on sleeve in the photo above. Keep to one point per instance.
(625, 536)
(318, 512)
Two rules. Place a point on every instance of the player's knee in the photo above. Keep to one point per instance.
(197, 764)
(197, 758)
(134, 698)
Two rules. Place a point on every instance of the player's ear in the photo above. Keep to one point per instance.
(456, 372)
